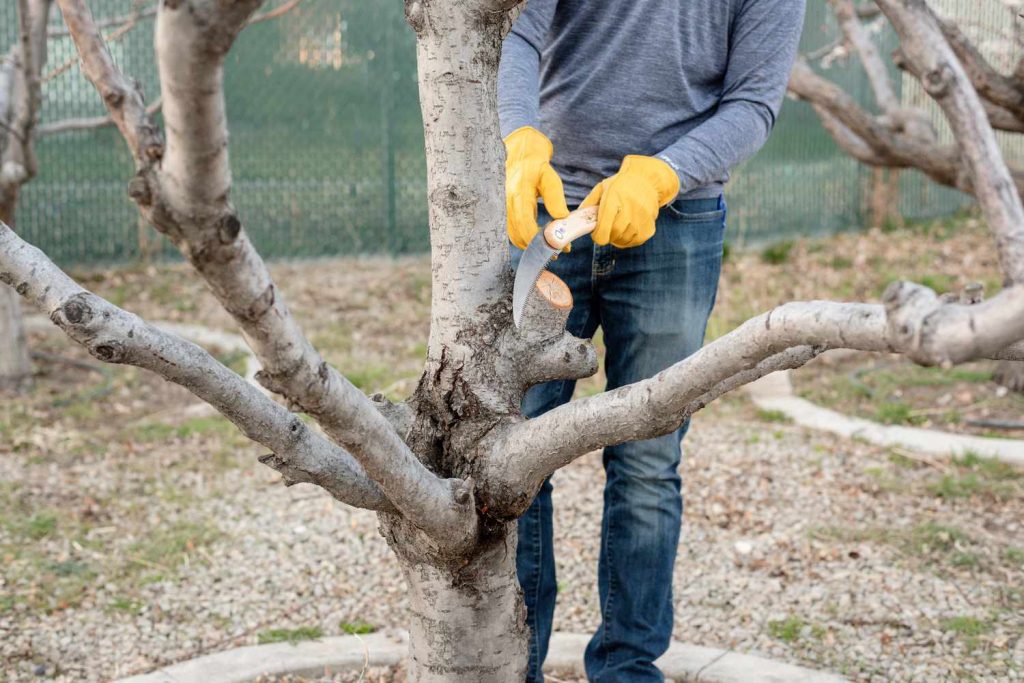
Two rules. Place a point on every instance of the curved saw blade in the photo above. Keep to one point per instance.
(535, 259)
(544, 246)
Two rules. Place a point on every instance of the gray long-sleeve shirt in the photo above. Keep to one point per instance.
(697, 83)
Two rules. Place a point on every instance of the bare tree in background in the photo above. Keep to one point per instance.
(451, 468)
(901, 137)
(20, 73)
(22, 84)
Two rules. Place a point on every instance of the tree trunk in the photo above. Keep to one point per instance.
(467, 617)
(15, 364)
(19, 110)
(883, 198)
(15, 361)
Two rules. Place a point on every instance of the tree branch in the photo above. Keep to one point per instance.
(131, 17)
(913, 122)
(8, 68)
(122, 97)
(1002, 91)
(30, 57)
(186, 197)
(117, 336)
(871, 61)
(275, 13)
(914, 321)
(1003, 119)
(872, 139)
(848, 141)
(87, 123)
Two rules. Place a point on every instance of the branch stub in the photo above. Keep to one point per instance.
(554, 290)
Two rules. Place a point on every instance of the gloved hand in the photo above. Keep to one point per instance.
(528, 173)
(629, 201)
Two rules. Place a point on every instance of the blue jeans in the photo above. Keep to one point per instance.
(653, 303)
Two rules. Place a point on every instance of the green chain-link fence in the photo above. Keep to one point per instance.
(327, 149)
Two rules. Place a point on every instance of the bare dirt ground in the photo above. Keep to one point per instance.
(134, 535)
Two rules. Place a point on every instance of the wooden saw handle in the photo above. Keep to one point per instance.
(561, 232)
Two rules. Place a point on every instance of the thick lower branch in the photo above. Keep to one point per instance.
(116, 336)
(86, 122)
(526, 453)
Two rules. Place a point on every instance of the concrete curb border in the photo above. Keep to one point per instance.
(352, 653)
(307, 658)
(775, 392)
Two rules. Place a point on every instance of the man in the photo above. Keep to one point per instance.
(640, 107)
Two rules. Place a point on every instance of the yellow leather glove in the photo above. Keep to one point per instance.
(629, 201)
(528, 173)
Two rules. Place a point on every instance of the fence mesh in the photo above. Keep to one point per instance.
(327, 148)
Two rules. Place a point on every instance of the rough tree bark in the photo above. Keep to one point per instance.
(934, 50)
(20, 72)
(450, 469)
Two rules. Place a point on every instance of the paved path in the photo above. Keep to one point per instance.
(775, 392)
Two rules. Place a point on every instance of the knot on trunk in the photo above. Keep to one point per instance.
(938, 81)
(261, 304)
(228, 228)
(462, 490)
(415, 16)
(75, 312)
(139, 191)
(451, 199)
(114, 97)
(908, 307)
(110, 351)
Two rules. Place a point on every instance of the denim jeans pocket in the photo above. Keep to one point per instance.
(710, 217)
(697, 222)
(704, 216)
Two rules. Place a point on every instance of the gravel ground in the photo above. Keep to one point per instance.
(797, 546)
(133, 536)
